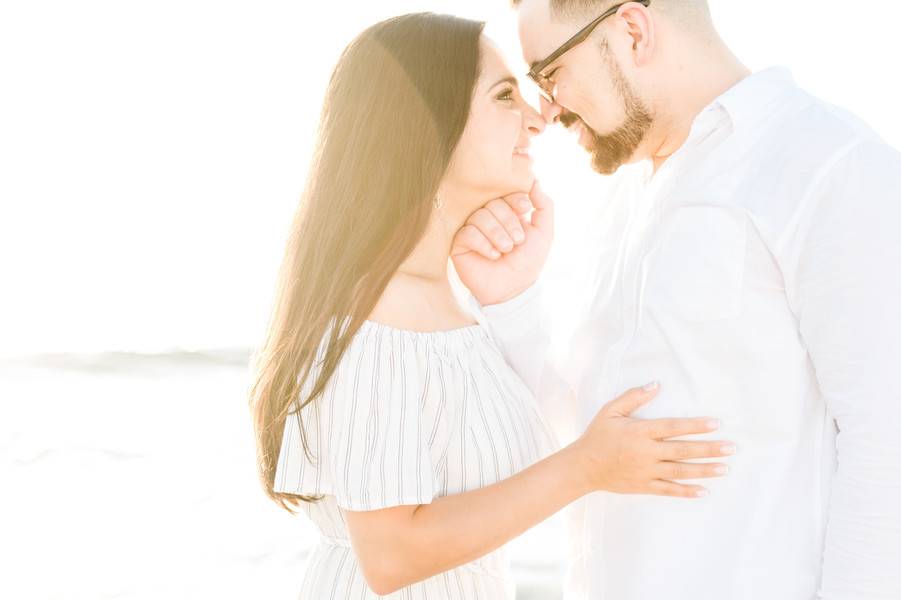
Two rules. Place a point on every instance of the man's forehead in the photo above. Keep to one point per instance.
(539, 33)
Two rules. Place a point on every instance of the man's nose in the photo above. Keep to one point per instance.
(551, 111)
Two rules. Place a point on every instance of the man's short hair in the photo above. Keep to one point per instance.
(685, 10)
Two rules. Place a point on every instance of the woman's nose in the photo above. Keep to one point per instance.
(533, 122)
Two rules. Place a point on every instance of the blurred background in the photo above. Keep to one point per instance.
(151, 158)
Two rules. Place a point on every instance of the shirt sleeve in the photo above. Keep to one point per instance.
(375, 430)
(518, 329)
(849, 310)
(521, 328)
(382, 454)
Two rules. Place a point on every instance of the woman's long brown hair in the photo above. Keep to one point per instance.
(394, 111)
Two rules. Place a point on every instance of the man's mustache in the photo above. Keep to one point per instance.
(568, 119)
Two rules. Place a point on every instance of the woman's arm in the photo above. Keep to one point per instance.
(401, 545)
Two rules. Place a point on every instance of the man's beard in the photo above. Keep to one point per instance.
(611, 151)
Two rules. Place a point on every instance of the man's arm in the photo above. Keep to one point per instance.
(522, 328)
(849, 307)
(519, 327)
(498, 256)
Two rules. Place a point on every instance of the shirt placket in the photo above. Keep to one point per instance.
(643, 236)
(634, 267)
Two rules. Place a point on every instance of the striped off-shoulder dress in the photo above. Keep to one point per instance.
(406, 418)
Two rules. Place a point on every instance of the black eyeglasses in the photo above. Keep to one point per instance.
(544, 83)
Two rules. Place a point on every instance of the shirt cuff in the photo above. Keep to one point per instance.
(526, 302)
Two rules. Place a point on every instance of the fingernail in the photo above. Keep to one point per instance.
(518, 236)
(702, 493)
(495, 254)
(721, 469)
(713, 424)
(728, 449)
(651, 386)
(508, 246)
(524, 203)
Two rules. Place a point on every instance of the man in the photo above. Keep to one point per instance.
(757, 278)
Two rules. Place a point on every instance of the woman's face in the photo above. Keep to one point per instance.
(492, 158)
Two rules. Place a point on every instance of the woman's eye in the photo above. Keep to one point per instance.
(506, 95)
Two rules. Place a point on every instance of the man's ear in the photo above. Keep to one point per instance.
(636, 22)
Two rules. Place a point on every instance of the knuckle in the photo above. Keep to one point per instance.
(499, 208)
(469, 238)
(501, 212)
(483, 216)
(474, 220)
(480, 241)
(683, 451)
(469, 232)
(496, 231)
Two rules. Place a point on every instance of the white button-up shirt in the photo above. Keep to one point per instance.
(758, 278)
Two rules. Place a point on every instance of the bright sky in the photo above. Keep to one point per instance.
(152, 153)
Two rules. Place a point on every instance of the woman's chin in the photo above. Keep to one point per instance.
(520, 180)
(525, 180)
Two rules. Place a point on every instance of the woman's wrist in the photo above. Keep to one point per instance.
(579, 469)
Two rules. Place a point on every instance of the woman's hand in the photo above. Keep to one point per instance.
(500, 251)
(401, 545)
(632, 456)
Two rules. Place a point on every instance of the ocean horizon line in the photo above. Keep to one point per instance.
(126, 360)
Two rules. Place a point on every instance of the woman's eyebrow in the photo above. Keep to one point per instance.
(510, 79)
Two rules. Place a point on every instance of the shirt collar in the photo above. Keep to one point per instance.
(751, 98)
(737, 108)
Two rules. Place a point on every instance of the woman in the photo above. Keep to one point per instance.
(380, 406)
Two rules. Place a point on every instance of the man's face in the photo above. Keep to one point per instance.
(593, 95)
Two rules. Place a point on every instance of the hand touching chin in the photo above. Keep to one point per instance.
(500, 251)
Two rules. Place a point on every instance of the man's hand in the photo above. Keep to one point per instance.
(501, 250)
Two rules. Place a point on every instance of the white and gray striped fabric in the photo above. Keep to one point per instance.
(406, 418)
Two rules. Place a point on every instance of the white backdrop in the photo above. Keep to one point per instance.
(151, 157)
(152, 153)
